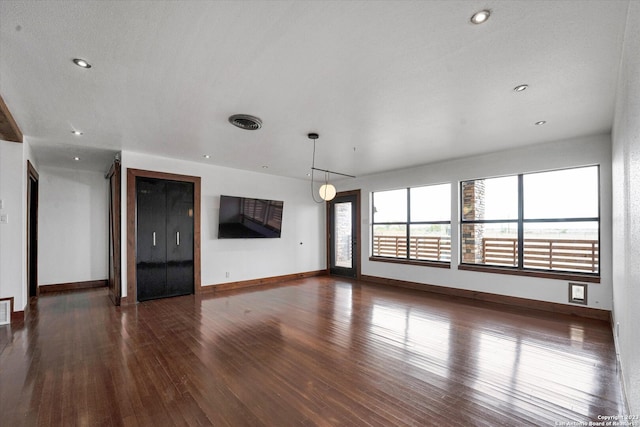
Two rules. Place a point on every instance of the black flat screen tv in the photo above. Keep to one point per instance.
(247, 218)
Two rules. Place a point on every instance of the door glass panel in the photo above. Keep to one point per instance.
(342, 232)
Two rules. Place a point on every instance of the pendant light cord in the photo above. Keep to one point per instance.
(313, 165)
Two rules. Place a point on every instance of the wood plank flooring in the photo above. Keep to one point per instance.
(321, 351)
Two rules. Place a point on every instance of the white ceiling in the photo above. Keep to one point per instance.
(387, 84)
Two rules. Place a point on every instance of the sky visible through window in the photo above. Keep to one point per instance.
(568, 193)
(560, 221)
(561, 194)
(428, 203)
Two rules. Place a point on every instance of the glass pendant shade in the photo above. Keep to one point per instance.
(327, 192)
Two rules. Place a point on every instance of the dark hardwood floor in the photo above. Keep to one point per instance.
(320, 351)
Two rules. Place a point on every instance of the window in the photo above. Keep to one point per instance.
(538, 221)
(412, 223)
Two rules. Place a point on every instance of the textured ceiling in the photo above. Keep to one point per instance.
(387, 84)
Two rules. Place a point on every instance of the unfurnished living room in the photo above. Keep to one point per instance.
(331, 213)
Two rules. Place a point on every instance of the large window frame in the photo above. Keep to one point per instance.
(520, 222)
(408, 223)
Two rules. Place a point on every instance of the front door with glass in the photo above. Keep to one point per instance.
(343, 235)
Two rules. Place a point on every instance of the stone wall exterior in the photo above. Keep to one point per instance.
(472, 209)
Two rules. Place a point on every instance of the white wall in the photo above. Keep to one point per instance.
(73, 226)
(560, 154)
(626, 210)
(12, 235)
(301, 247)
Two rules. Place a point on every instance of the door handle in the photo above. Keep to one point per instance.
(154, 238)
(177, 238)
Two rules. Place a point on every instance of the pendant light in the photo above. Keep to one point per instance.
(327, 191)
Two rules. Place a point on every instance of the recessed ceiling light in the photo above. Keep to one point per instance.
(520, 88)
(206, 156)
(480, 17)
(81, 63)
(77, 159)
(76, 132)
(541, 122)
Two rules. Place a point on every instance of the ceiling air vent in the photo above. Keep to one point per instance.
(245, 121)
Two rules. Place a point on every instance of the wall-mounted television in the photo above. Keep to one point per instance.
(247, 218)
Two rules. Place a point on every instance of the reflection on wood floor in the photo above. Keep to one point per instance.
(320, 351)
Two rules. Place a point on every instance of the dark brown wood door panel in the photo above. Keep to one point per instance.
(164, 238)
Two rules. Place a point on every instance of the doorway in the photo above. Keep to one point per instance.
(343, 234)
(136, 253)
(32, 231)
(115, 275)
(164, 234)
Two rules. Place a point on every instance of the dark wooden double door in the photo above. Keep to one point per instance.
(164, 249)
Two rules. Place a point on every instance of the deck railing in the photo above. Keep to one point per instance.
(547, 254)
(432, 248)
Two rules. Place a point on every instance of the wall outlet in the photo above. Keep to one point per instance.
(226, 274)
(618, 329)
(1, 204)
(4, 218)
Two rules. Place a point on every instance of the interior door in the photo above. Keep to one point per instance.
(115, 280)
(179, 238)
(32, 230)
(136, 206)
(151, 247)
(344, 234)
